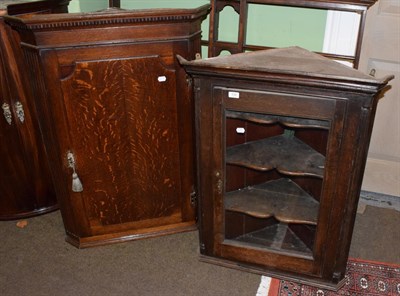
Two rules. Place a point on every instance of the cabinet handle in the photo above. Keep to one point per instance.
(7, 113)
(76, 182)
(19, 109)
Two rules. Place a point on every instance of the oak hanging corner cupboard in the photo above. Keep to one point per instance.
(116, 116)
(282, 139)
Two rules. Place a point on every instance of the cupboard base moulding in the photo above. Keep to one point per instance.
(120, 237)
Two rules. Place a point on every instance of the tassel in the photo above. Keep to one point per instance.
(76, 183)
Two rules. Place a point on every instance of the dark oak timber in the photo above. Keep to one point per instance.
(26, 187)
(113, 97)
(282, 137)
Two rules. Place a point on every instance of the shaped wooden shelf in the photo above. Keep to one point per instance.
(282, 199)
(288, 155)
(283, 120)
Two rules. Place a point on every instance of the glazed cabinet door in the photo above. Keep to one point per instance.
(117, 126)
(273, 154)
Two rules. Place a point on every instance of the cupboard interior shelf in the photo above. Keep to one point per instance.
(279, 237)
(293, 122)
(282, 199)
(286, 154)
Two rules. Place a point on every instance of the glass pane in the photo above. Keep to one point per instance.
(274, 173)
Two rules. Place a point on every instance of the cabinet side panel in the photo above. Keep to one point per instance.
(204, 146)
(74, 224)
(356, 139)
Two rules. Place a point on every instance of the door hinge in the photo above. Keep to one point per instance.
(193, 198)
(189, 81)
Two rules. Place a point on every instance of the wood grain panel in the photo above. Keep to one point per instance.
(123, 125)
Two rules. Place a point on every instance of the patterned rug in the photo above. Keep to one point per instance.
(363, 278)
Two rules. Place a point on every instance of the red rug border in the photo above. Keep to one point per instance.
(375, 262)
(274, 285)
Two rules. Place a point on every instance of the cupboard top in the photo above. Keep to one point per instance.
(109, 26)
(107, 17)
(292, 63)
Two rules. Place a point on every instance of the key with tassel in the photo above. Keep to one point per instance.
(76, 182)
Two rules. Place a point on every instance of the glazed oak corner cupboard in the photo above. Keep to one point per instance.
(26, 188)
(282, 139)
(116, 117)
